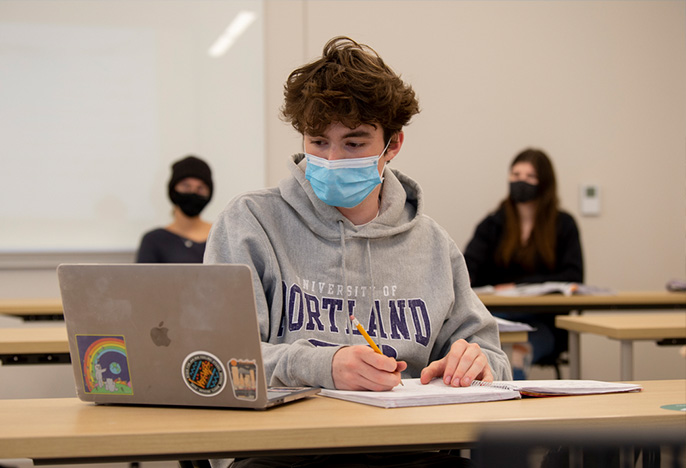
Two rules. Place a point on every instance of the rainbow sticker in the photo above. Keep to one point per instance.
(104, 364)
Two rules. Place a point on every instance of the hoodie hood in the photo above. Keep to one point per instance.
(401, 205)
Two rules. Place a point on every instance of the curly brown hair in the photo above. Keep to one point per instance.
(349, 84)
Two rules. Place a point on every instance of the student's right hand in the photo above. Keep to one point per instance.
(361, 368)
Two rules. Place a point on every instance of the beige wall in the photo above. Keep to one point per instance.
(597, 85)
(600, 86)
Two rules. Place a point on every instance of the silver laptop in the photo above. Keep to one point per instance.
(167, 334)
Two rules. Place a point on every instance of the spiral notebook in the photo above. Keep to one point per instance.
(414, 393)
(540, 388)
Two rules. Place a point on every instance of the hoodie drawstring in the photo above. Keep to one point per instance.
(374, 310)
(341, 229)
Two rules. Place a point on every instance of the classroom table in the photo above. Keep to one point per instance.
(50, 345)
(626, 328)
(66, 430)
(511, 337)
(34, 346)
(556, 303)
(51, 308)
(32, 309)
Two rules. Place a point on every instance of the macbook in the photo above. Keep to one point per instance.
(167, 334)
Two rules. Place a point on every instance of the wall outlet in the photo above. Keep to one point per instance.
(589, 199)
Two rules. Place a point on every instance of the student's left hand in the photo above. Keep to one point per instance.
(460, 367)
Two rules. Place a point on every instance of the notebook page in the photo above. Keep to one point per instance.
(413, 393)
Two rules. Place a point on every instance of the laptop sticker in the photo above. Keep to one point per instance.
(104, 364)
(243, 379)
(203, 373)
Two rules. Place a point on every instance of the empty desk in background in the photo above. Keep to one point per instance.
(51, 308)
(66, 430)
(34, 346)
(32, 309)
(626, 328)
(555, 303)
(510, 337)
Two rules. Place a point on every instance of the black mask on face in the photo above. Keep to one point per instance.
(190, 203)
(522, 192)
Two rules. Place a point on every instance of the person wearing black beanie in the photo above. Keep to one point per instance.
(194, 167)
(183, 241)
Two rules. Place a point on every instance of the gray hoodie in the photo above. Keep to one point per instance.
(401, 275)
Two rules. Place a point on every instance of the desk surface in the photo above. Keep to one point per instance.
(21, 307)
(59, 430)
(621, 300)
(508, 337)
(33, 340)
(653, 326)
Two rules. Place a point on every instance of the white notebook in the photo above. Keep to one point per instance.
(413, 393)
(561, 387)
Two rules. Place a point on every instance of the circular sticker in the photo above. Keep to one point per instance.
(203, 373)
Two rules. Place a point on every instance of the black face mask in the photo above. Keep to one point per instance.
(522, 192)
(190, 203)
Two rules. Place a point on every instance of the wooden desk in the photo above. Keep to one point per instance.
(510, 337)
(626, 328)
(34, 346)
(33, 309)
(558, 303)
(68, 430)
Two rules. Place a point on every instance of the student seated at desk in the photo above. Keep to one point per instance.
(345, 234)
(528, 239)
(182, 241)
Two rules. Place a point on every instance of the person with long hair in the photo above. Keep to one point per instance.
(528, 239)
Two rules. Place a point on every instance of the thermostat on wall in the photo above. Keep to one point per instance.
(589, 199)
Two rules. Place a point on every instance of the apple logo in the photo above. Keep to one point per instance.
(159, 335)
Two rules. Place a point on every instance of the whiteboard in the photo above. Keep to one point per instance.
(97, 102)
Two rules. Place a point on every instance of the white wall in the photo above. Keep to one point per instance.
(99, 97)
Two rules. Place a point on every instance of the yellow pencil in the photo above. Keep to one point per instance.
(363, 332)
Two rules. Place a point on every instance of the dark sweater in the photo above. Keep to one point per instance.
(162, 246)
(483, 270)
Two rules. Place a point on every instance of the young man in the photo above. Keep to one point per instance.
(345, 235)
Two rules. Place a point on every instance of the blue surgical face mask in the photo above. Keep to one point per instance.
(343, 182)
